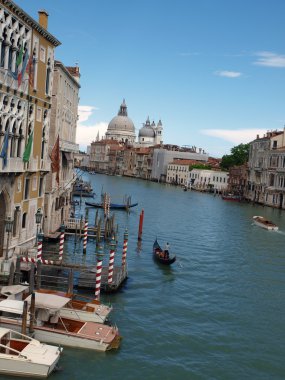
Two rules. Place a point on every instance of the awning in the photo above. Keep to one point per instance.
(68, 156)
(48, 301)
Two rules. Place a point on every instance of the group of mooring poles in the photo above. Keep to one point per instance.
(39, 257)
(99, 264)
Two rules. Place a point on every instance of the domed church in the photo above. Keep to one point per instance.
(121, 127)
(150, 134)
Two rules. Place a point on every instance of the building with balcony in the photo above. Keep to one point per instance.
(26, 79)
(266, 170)
(208, 180)
(63, 124)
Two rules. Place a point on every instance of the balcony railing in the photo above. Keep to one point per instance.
(14, 165)
(68, 146)
(32, 165)
(45, 165)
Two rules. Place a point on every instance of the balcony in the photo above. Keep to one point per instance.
(14, 165)
(32, 165)
(68, 146)
(45, 165)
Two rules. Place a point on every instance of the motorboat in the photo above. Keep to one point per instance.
(88, 311)
(232, 197)
(22, 356)
(264, 223)
(50, 327)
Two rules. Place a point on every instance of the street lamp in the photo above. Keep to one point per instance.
(9, 222)
(38, 216)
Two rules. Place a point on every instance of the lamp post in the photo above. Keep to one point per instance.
(38, 216)
(8, 227)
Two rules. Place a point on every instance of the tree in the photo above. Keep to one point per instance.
(239, 156)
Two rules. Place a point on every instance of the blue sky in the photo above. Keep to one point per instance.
(212, 71)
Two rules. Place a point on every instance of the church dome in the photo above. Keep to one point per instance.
(146, 132)
(121, 122)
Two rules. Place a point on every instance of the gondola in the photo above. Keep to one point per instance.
(112, 205)
(159, 255)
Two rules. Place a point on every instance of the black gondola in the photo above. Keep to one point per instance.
(161, 256)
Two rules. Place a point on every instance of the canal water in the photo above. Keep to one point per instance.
(217, 313)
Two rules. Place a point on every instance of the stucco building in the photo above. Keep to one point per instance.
(26, 79)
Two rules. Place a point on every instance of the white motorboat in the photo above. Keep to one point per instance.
(50, 327)
(88, 311)
(21, 355)
(264, 223)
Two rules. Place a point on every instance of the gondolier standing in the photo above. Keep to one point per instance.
(166, 250)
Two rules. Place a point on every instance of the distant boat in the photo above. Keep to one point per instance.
(21, 355)
(112, 205)
(232, 197)
(264, 223)
(161, 256)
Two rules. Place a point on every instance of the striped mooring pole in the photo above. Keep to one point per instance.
(40, 246)
(99, 254)
(61, 242)
(125, 248)
(111, 261)
(85, 232)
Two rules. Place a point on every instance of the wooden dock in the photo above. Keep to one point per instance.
(87, 279)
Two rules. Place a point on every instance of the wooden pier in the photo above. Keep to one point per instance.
(87, 278)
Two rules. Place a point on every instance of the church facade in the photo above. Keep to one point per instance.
(121, 128)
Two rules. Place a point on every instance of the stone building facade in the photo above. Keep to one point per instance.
(64, 115)
(26, 78)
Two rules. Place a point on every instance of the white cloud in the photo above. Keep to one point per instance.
(237, 136)
(228, 74)
(266, 58)
(87, 133)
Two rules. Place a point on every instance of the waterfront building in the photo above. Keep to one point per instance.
(266, 170)
(205, 180)
(121, 128)
(63, 124)
(238, 179)
(178, 171)
(165, 154)
(100, 154)
(150, 134)
(138, 162)
(26, 79)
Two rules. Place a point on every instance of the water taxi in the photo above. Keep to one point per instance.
(264, 223)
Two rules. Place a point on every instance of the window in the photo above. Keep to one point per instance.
(24, 220)
(48, 75)
(27, 188)
(41, 186)
(42, 54)
(16, 220)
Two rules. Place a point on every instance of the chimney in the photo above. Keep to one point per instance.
(257, 137)
(43, 18)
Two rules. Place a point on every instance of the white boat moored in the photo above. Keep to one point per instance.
(21, 355)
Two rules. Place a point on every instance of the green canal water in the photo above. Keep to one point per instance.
(217, 313)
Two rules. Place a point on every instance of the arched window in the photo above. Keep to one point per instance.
(20, 141)
(13, 141)
(43, 143)
(24, 220)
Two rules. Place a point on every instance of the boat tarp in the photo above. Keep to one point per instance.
(13, 289)
(12, 306)
(48, 301)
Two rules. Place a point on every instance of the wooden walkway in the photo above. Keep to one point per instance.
(87, 279)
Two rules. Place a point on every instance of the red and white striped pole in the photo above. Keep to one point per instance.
(61, 242)
(125, 248)
(40, 246)
(85, 232)
(98, 271)
(111, 261)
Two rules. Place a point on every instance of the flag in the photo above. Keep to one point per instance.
(55, 159)
(28, 148)
(30, 69)
(20, 56)
(23, 70)
(4, 149)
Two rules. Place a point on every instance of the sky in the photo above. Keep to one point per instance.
(213, 71)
